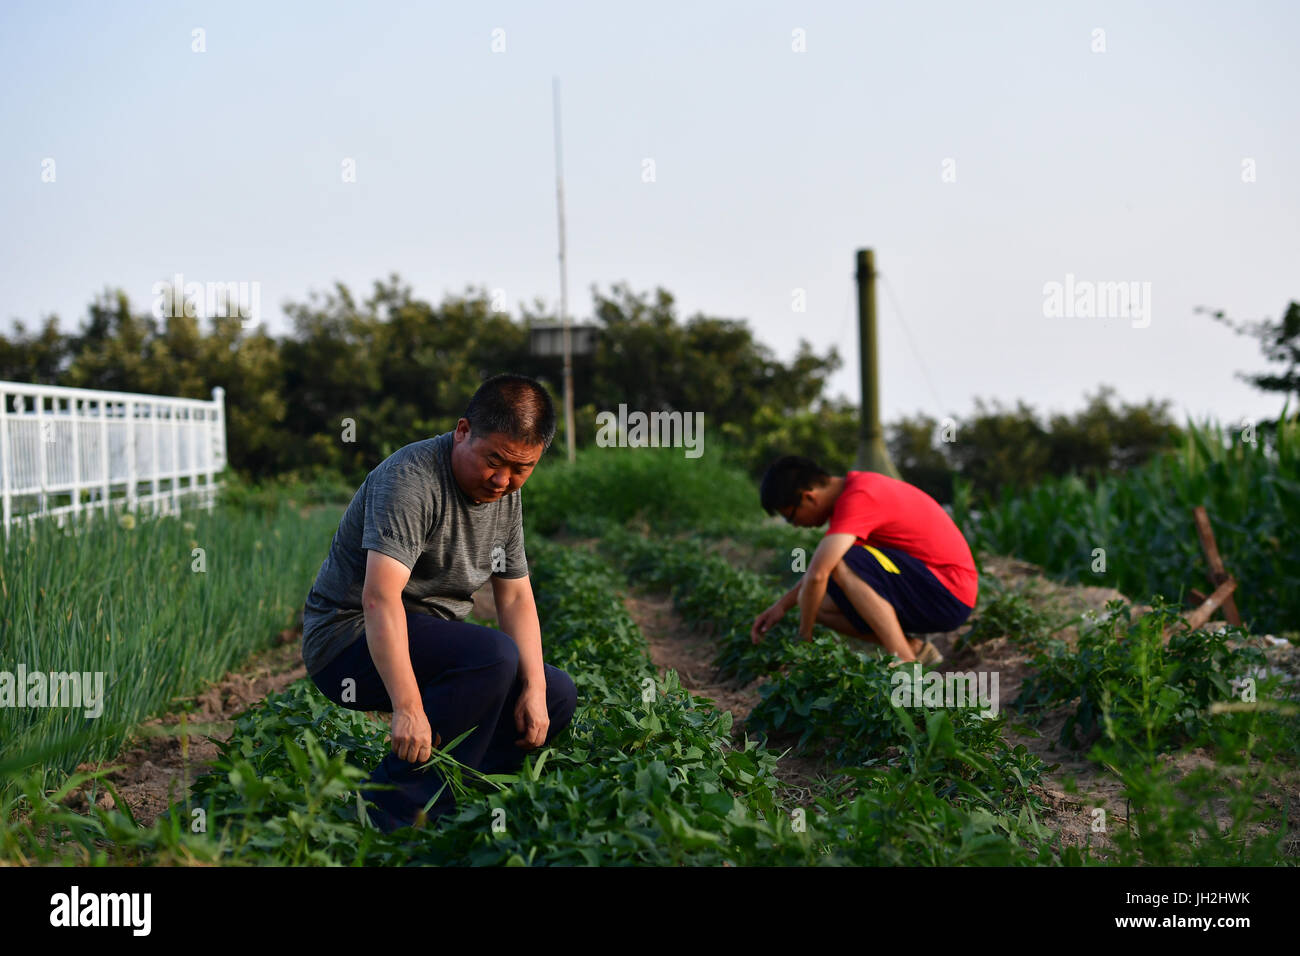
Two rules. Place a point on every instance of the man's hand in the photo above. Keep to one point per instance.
(413, 738)
(763, 623)
(531, 718)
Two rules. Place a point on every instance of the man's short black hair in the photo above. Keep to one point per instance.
(515, 406)
(786, 478)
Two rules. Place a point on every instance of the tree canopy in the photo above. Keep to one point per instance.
(355, 379)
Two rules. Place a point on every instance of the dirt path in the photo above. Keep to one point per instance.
(674, 645)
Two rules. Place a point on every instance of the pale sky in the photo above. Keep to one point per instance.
(1107, 141)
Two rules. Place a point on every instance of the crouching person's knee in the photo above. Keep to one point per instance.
(501, 654)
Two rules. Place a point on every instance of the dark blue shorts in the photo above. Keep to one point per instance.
(923, 604)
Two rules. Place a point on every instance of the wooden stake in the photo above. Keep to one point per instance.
(1205, 611)
(1218, 574)
(1222, 596)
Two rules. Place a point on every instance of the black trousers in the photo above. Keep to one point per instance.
(468, 676)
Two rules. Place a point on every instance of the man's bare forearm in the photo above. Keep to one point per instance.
(518, 618)
(389, 648)
(790, 598)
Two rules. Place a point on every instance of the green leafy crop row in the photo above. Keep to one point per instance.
(1136, 533)
(1149, 697)
(1126, 673)
(823, 692)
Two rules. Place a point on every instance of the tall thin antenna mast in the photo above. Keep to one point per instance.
(564, 282)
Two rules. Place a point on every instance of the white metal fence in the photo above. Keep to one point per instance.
(77, 451)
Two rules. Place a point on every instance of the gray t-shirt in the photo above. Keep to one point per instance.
(410, 508)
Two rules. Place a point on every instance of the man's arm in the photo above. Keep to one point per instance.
(385, 617)
(790, 598)
(517, 616)
(812, 589)
(764, 622)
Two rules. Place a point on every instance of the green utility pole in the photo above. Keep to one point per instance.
(872, 453)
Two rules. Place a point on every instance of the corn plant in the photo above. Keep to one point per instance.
(1136, 533)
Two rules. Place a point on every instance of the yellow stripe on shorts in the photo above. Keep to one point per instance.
(885, 563)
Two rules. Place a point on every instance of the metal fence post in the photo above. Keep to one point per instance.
(174, 504)
(6, 459)
(216, 442)
(74, 404)
(131, 476)
(104, 489)
(154, 498)
(40, 445)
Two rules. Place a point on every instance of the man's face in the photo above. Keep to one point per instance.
(490, 467)
(809, 511)
(799, 512)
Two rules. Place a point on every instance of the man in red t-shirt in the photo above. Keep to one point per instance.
(892, 561)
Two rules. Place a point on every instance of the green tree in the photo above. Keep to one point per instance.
(1280, 343)
(919, 452)
(827, 433)
(249, 367)
(111, 351)
(357, 379)
(39, 357)
(363, 379)
(1001, 448)
(758, 405)
(1105, 440)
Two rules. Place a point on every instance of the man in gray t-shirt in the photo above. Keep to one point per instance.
(411, 509)
(383, 624)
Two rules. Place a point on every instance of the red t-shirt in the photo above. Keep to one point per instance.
(887, 513)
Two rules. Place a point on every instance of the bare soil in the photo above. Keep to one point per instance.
(674, 645)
